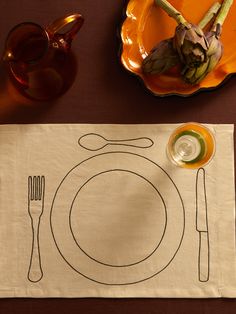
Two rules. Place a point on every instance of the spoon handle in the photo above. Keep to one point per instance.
(139, 142)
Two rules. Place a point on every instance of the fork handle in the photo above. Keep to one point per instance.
(35, 273)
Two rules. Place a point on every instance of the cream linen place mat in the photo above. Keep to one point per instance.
(117, 219)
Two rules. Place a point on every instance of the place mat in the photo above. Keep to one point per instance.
(99, 211)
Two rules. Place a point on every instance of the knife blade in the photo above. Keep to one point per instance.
(202, 227)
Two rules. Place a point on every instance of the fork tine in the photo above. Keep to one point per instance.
(30, 188)
(38, 188)
(34, 188)
(42, 187)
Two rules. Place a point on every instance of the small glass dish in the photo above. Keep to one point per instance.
(192, 145)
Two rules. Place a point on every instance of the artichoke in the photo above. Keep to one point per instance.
(214, 54)
(161, 58)
(191, 45)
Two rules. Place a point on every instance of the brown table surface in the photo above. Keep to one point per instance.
(104, 92)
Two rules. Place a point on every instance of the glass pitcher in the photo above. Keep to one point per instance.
(39, 60)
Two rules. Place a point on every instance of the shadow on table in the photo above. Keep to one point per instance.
(16, 107)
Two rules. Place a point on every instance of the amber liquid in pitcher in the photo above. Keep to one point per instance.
(41, 75)
(39, 59)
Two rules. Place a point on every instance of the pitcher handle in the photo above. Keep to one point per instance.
(77, 20)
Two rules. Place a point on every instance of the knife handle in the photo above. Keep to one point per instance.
(203, 258)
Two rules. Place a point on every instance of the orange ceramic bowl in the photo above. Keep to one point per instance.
(146, 25)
